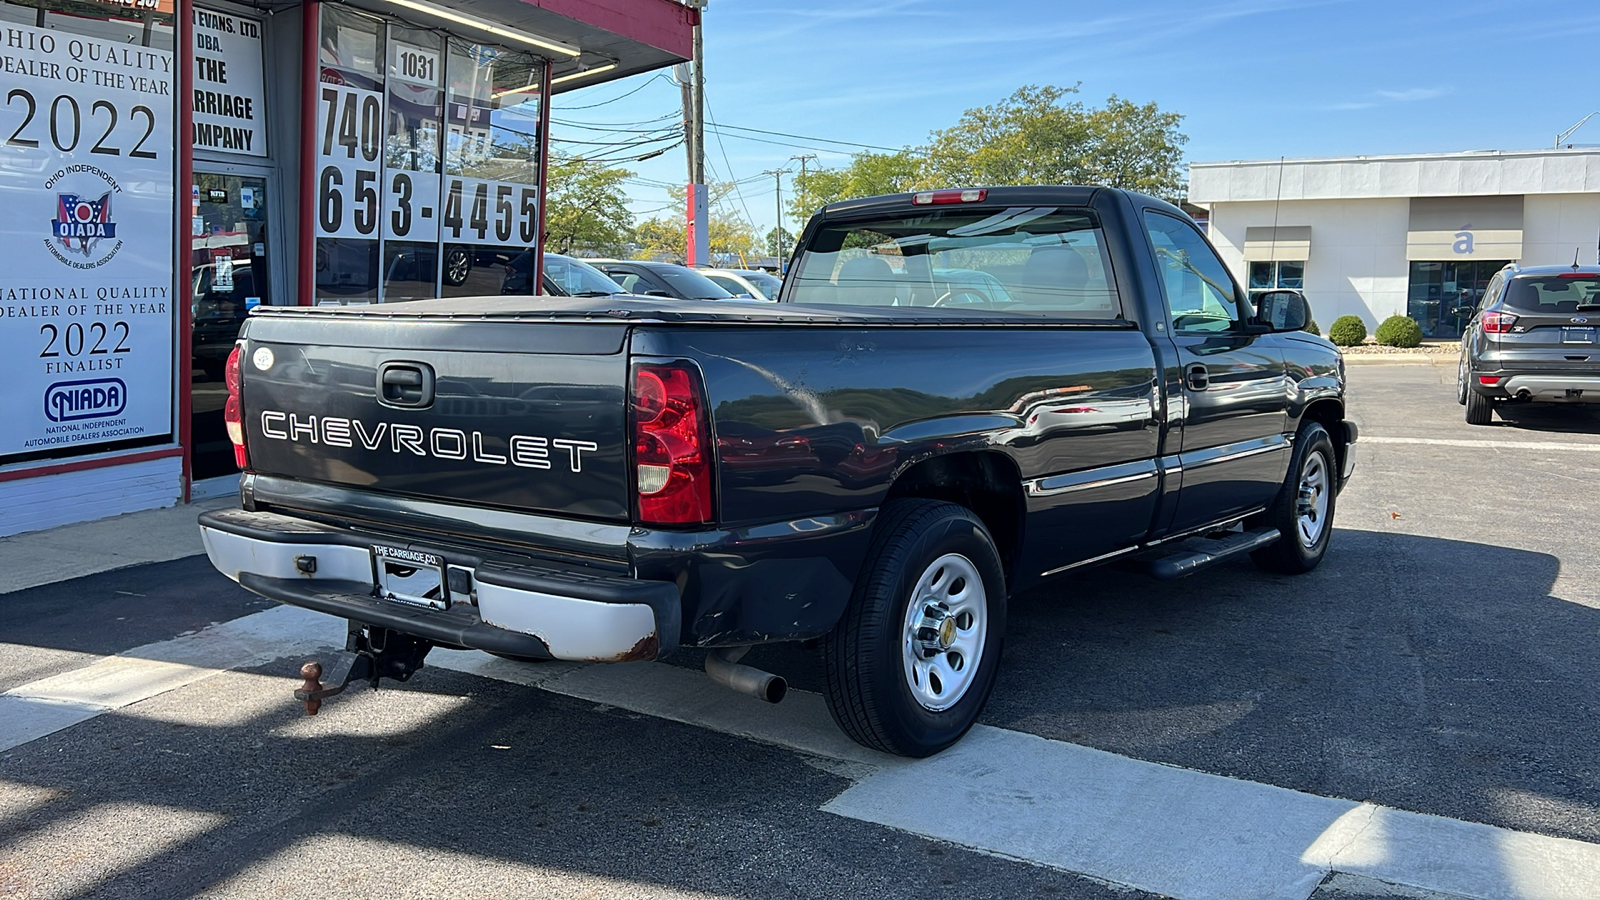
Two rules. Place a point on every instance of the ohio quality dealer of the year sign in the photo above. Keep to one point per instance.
(86, 220)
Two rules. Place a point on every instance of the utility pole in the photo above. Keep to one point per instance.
(697, 231)
(777, 176)
(801, 184)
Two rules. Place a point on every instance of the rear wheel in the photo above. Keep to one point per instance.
(911, 663)
(1461, 382)
(1303, 510)
(1479, 410)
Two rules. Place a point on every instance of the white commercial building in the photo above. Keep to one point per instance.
(1376, 236)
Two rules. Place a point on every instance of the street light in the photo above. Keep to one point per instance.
(1570, 131)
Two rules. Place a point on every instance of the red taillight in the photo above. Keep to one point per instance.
(1489, 380)
(233, 412)
(939, 198)
(671, 445)
(1498, 322)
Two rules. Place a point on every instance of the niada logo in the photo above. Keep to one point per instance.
(83, 232)
(96, 398)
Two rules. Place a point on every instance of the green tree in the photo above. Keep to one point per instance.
(666, 234)
(771, 242)
(586, 207)
(1038, 136)
(867, 175)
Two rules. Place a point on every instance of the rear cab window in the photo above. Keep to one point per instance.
(1028, 261)
(1567, 292)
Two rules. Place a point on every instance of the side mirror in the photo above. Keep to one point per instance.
(1282, 310)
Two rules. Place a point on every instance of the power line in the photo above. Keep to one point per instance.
(658, 75)
(804, 137)
(640, 142)
(724, 148)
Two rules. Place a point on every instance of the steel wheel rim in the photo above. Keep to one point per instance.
(1311, 507)
(1461, 381)
(945, 631)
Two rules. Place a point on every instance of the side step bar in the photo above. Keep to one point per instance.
(1211, 552)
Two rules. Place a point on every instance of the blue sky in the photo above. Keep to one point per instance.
(1254, 79)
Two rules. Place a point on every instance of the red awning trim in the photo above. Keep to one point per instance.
(663, 24)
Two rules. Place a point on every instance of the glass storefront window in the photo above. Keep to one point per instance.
(1443, 295)
(490, 216)
(412, 160)
(428, 159)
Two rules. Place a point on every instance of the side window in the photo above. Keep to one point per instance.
(1491, 292)
(1200, 294)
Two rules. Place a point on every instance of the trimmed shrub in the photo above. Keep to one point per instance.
(1311, 327)
(1399, 331)
(1348, 331)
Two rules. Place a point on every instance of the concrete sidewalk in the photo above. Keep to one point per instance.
(73, 551)
(1395, 359)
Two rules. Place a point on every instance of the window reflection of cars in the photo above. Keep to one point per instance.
(747, 283)
(217, 315)
(573, 277)
(657, 279)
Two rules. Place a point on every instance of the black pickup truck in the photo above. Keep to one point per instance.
(959, 395)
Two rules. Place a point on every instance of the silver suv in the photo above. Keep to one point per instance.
(1533, 338)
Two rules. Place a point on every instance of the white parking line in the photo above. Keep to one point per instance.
(1481, 445)
(1187, 834)
(41, 707)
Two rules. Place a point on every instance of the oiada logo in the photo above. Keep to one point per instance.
(83, 233)
(96, 398)
(81, 223)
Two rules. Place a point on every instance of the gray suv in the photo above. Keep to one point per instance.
(1533, 338)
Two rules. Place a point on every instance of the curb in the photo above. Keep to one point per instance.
(1390, 359)
(34, 558)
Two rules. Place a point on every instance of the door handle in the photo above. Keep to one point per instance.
(405, 384)
(1198, 377)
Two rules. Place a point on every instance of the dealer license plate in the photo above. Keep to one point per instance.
(410, 576)
(1577, 335)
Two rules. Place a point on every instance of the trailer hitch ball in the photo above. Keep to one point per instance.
(311, 673)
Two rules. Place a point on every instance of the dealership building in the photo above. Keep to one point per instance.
(171, 164)
(1419, 236)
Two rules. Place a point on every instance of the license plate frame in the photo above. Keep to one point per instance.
(412, 577)
(1570, 335)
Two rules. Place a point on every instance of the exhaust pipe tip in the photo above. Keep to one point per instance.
(724, 669)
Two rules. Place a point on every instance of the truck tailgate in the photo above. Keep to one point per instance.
(518, 415)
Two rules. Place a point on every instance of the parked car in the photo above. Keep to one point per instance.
(217, 313)
(872, 462)
(659, 279)
(1532, 339)
(564, 276)
(751, 283)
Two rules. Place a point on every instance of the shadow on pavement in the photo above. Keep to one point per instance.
(1557, 418)
(1430, 675)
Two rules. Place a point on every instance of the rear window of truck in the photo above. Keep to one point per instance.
(1555, 293)
(1036, 261)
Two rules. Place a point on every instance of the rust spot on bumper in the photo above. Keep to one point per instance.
(648, 648)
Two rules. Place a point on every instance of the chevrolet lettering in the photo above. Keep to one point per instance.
(958, 395)
(527, 451)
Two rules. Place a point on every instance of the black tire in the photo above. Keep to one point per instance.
(866, 656)
(1479, 410)
(1461, 382)
(1291, 553)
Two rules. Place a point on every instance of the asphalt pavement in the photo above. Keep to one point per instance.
(1414, 719)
